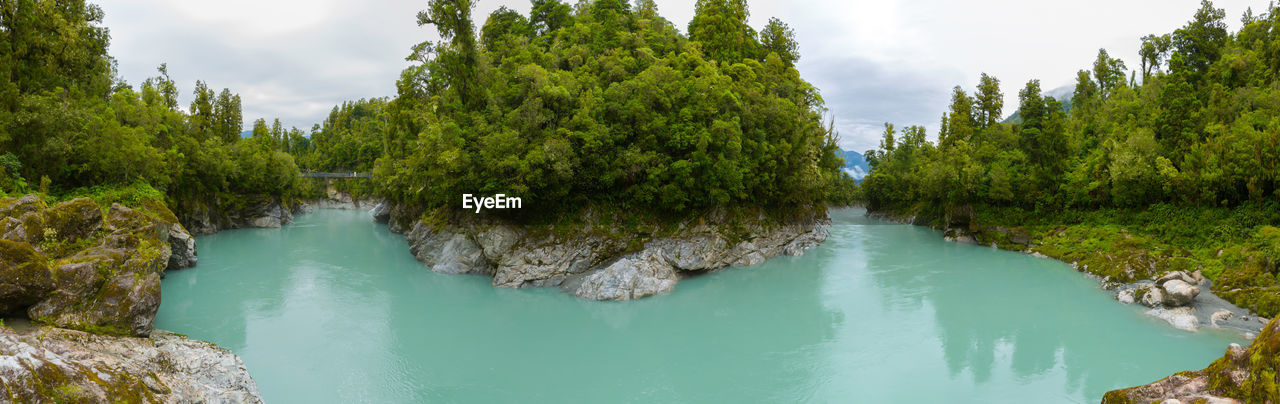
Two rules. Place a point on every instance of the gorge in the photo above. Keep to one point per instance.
(346, 313)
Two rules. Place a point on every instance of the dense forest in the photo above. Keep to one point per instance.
(602, 102)
(70, 125)
(1181, 155)
(605, 102)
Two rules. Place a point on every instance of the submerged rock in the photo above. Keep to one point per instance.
(1183, 318)
(54, 365)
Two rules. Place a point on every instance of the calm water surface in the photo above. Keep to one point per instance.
(335, 309)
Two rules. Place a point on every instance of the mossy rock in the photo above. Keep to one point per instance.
(10, 207)
(73, 220)
(1245, 374)
(25, 277)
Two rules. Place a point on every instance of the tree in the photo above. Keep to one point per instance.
(1200, 42)
(228, 117)
(501, 23)
(549, 16)
(778, 38)
(958, 124)
(988, 103)
(1108, 72)
(721, 27)
(1154, 50)
(458, 59)
(202, 117)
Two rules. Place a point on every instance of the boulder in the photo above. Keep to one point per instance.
(382, 212)
(631, 277)
(29, 203)
(73, 220)
(1178, 293)
(25, 277)
(1176, 275)
(1125, 296)
(55, 365)
(1152, 296)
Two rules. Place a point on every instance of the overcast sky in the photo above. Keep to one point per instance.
(875, 61)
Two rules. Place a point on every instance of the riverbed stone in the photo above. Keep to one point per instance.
(1152, 296)
(1177, 293)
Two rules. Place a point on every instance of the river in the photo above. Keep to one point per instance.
(334, 308)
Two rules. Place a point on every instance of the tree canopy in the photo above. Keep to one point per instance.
(1199, 129)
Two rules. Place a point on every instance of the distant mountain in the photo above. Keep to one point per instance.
(246, 134)
(1062, 94)
(854, 164)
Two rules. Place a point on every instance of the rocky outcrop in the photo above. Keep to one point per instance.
(73, 267)
(54, 365)
(1247, 375)
(336, 199)
(605, 262)
(208, 217)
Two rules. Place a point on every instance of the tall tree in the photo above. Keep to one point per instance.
(988, 102)
(721, 27)
(457, 58)
(1154, 51)
(549, 16)
(778, 38)
(1200, 42)
(202, 119)
(959, 121)
(228, 116)
(1108, 72)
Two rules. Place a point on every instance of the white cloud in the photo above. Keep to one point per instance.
(875, 61)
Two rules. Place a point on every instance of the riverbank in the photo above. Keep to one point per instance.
(1136, 266)
(604, 255)
(90, 269)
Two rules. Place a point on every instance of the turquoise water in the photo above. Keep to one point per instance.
(335, 309)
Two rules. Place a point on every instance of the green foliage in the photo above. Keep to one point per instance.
(778, 38)
(607, 105)
(66, 122)
(1201, 132)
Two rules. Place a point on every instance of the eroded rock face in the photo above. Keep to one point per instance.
(602, 262)
(55, 365)
(208, 217)
(182, 247)
(1246, 375)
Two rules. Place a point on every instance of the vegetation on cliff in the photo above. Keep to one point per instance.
(603, 103)
(1177, 164)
